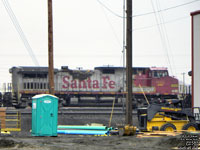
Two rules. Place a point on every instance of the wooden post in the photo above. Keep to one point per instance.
(3, 117)
(129, 80)
(50, 48)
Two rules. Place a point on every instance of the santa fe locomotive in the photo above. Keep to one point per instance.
(92, 86)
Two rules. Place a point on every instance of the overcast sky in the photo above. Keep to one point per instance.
(89, 33)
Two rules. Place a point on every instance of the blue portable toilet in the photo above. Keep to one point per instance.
(44, 115)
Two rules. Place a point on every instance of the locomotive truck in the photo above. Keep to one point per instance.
(92, 86)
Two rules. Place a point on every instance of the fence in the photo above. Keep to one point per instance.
(10, 120)
(5, 87)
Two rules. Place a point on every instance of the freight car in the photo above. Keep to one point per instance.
(97, 86)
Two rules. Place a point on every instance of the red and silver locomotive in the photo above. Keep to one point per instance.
(91, 85)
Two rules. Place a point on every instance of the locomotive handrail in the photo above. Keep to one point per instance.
(144, 95)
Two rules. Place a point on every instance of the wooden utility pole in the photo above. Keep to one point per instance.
(129, 80)
(50, 48)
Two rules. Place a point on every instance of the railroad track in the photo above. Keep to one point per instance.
(93, 110)
(80, 111)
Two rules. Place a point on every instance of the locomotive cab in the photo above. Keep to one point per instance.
(158, 72)
(165, 85)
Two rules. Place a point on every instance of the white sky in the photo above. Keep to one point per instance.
(88, 35)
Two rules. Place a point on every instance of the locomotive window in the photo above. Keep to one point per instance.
(109, 71)
(139, 71)
(159, 74)
(155, 74)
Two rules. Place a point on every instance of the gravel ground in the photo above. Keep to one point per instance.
(75, 142)
(24, 141)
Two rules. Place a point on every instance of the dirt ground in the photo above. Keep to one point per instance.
(24, 141)
(77, 142)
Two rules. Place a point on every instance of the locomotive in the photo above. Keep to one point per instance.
(97, 86)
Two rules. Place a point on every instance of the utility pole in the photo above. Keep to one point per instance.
(129, 80)
(50, 48)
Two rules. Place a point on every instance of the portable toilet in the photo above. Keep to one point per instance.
(44, 115)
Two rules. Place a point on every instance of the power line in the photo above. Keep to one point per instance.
(109, 9)
(20, 31)
(155, 25)
(113, 30)
(148, 13)
(162, 37)
(165, 9)
(166, 35)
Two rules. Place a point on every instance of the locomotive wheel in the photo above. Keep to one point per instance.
(168, 127)
(190, 127)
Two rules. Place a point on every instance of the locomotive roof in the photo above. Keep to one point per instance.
(27, 69)
(110, 67)
(158, 68)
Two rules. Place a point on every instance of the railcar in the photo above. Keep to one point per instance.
(96, 86)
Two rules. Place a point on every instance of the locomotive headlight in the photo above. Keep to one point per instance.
(174, 91)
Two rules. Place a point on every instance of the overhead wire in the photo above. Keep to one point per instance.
(155, 25)
(173, 7)
(113, 30)
(166, 35)
(27, 45)
(162, 28)
(162, 36)
(109, 9)
(144, 14)
(163, 33)
(20, 31)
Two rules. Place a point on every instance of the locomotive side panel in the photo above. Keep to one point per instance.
(165, 85)
(95, 82)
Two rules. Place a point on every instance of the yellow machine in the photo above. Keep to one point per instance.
(168, 118)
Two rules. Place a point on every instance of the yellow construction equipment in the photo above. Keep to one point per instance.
(169, 116)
